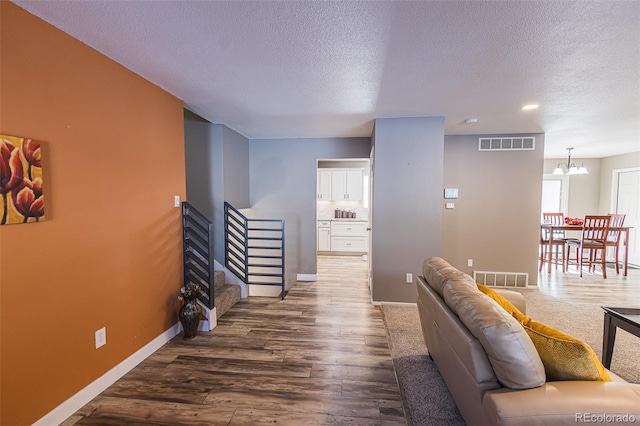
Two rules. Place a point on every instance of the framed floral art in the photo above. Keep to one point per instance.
(22, 200)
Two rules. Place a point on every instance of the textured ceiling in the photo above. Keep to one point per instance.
(284, 69)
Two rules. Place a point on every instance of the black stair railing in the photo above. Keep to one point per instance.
(254, 248)
(197, 239)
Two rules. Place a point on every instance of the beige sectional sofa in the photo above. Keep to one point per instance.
(492, 367)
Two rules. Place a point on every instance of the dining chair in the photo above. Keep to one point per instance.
(613, 238)
(592, 238)
(558, 238)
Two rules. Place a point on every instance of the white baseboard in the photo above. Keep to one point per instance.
(212, 320)
(80, 399)
(307, 277)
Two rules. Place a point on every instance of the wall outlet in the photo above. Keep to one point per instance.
(409, 278)
(469, 262)
(176, 201)
(101, 337)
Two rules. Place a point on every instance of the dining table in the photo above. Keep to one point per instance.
(553, 229)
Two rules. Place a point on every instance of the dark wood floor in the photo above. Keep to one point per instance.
(318, 357)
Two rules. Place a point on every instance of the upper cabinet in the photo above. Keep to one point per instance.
(346, 185)
(324, 185)
(340, 184)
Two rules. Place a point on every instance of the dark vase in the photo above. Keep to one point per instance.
(189, 315)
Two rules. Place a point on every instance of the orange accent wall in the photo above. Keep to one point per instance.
(109, 252)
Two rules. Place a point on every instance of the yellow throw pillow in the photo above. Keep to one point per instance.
(502, 301)
(564, 357)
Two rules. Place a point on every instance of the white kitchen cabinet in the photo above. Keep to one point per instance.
(347, 228)
(356, 244)
(349, 236)
(343, 236)
(354, 185)
(346, 185)
(324, 235)
(324, 185)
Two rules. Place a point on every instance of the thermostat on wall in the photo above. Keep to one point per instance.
(451, 193)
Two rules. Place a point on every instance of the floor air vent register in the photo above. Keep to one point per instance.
(501, 279)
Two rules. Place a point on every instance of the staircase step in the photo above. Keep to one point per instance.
(225, 297)
(218, 280)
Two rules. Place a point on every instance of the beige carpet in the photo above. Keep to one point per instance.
(585, 321)
(425, 395)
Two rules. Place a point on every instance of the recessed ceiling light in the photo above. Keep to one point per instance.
(471, 120)
(530, 106)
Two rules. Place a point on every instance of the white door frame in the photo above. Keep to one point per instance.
(615, 178)
(370, 253)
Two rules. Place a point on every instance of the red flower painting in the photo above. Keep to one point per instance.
(22, 199)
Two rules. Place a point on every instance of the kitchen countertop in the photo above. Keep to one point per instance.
(343, 219)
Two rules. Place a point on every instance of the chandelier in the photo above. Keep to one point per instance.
(570, 168)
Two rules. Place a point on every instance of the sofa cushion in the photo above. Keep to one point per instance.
(512, 355)
(564, 357)
(437, 272)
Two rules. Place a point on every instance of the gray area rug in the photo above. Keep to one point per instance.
(425, 396)
(427, 400)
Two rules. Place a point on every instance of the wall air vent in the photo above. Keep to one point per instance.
(501, 279)
(527, 143)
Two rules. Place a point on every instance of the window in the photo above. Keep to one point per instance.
(555, 194)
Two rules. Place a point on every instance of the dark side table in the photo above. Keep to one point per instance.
(627, 319)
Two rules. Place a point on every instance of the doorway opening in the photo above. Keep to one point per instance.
(343, 210)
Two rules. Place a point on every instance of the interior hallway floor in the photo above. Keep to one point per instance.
(318, 357)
